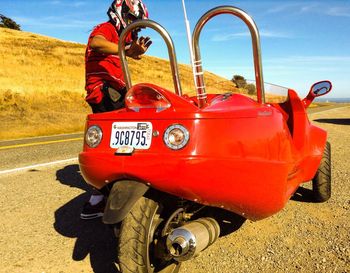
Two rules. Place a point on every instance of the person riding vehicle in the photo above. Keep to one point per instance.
(105, 84)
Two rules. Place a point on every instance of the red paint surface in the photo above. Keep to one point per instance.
(244, 156)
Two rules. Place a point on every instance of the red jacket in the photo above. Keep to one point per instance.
(101, 68)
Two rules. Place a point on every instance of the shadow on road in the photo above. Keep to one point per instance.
(229, 222)
(303, 195)
(92, 237)
(97, 239)
(338, 121)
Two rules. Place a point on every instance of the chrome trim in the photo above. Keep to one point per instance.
(185, 242)
(181, 244)
(184, 131)
(248, 20)
(170, 45)
(99, 134)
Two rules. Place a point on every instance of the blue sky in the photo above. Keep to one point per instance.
(302, 41)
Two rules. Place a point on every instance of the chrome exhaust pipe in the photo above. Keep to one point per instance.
(187, 241)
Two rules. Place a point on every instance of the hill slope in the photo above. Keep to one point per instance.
(42, 83)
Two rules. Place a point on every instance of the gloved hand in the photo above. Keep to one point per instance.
(138, 47)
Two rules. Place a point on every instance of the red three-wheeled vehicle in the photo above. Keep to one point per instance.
(169, 163)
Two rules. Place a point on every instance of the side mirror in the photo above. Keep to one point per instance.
(317, 89)
(321, 88)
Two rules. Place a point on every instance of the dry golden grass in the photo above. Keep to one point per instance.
(42, 83)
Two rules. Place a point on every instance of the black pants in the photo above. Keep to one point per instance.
(108, 104)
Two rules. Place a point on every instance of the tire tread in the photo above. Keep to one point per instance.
(321, 183)
(132, 237)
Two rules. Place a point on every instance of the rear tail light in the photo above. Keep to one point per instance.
(145, 97)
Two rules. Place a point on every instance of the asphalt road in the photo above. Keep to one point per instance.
(28, 152)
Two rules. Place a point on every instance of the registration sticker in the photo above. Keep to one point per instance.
(134, 134)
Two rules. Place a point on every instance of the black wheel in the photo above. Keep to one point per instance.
(140, 246)
(321, 183)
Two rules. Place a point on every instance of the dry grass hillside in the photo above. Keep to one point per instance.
(42, 83)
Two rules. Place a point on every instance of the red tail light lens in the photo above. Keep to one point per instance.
(145, 97)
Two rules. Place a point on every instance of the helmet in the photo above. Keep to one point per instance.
(124, 12)
(134, 9)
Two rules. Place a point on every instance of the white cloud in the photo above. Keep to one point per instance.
(293, 8)
(339, 11)
(310, 60)
(271, 34)
(316, 8)
(263, 33)
(74, 4)
(228, 37)
(54, 2)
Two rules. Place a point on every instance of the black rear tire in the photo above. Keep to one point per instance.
(321, 183)
(138, 236)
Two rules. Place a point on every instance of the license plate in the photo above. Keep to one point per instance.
(135, 134)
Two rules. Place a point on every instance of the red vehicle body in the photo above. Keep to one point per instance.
(241, 155)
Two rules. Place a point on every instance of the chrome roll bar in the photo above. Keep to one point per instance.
(170, 45)
(254, 32)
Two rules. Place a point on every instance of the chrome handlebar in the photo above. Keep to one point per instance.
(201, 93)
(170, 45)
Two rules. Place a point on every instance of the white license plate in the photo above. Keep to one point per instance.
(135, 134)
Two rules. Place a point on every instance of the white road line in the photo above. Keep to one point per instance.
(39, 165)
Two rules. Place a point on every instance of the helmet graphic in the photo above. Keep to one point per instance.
(134, 8)
(124, 12)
